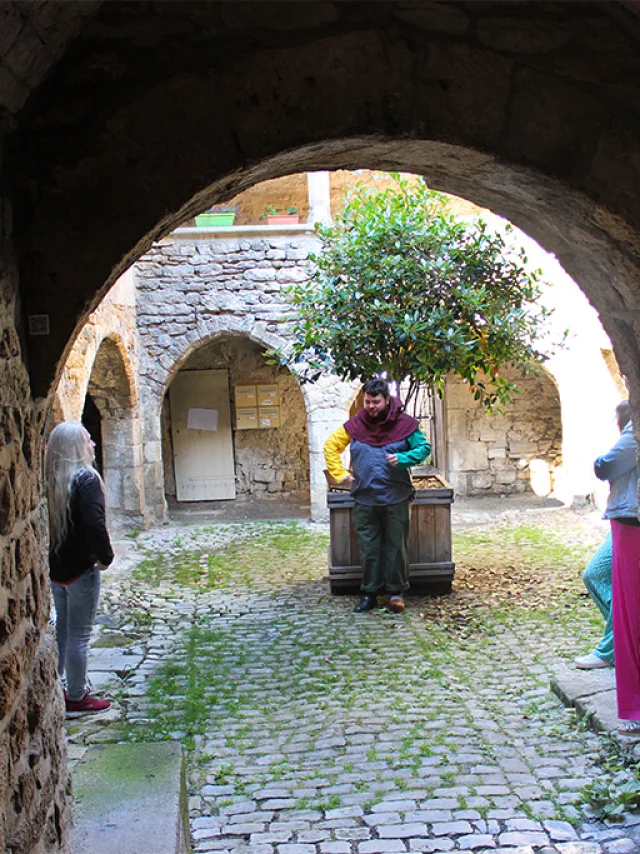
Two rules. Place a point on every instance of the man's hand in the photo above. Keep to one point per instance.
(392, 459)
(348, 480)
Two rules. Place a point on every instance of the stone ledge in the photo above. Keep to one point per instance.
(130, 799)
(190, 232)
(592, 693)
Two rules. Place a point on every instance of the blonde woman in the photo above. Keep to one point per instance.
(79, 549)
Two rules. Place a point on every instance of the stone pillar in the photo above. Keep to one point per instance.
(35, 807)
(327, 402)
(122, 464)
(319, 188)
(155, 501)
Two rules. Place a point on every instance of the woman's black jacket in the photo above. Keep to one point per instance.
(87, 539)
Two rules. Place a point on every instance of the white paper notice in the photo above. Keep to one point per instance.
(202, 419)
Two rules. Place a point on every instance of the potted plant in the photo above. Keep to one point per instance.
(216, 216)
(291, 217)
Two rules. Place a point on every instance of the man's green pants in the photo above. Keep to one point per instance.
(383, 539)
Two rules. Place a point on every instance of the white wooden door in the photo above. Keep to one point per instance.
(202, 438)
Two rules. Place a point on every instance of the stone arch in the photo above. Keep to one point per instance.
(207, 333)
(323, 404)
(491, 453)
(533, 115)
(112, 388)
(102, 364)
(156, 375)
(594, 247)
(465, 95)
(270, 463)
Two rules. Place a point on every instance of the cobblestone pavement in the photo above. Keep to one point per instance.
(327, 732)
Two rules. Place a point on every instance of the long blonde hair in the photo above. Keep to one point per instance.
(68, 454)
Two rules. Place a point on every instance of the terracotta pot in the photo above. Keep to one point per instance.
(283, 219)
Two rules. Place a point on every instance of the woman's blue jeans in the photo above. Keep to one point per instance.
(76, 606)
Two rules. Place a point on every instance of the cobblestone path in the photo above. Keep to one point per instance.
(311, 730)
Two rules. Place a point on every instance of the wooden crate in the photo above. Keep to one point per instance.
(430, 566)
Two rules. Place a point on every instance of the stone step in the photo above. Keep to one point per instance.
(130, 799)
(592, 693)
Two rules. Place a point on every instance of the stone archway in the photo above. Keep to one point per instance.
(533, 115)
(468, 95)
(100, 373)
(490, 454)
(270, 464)
(111, 388)
(323, 404)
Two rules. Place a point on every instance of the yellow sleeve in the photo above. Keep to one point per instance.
(333, 447)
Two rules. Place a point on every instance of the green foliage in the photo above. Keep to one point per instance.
(402, 286)
(272, 210)
(612, 796)
(294, 548)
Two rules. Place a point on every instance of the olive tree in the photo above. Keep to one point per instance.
(404, 289)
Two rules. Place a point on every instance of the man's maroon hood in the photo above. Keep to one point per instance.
(392, 426)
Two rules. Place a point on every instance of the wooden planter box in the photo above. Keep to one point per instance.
(430, 566)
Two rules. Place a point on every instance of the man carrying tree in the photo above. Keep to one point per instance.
(384, 443)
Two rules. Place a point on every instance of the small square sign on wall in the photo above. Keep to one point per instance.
(39, 324)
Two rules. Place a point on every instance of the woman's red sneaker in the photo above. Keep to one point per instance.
(88, 705)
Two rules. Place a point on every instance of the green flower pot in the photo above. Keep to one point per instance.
(215, 219)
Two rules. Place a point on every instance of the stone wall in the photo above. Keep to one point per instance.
(269, 463)
(115, 319)
(195, 292)
(491, 454)
(219, 300)
(34, 780)
(104, 362)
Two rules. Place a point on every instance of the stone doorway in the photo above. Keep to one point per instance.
(271, 464)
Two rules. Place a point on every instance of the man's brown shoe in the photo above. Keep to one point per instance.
(396, 604)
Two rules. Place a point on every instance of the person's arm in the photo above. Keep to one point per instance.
(419, 450)
(333, 447)
(91, 510)
(621, 459)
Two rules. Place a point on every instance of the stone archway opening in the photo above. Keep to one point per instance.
(491, 454)
(536, 110)
(92, 420)
(270, 445)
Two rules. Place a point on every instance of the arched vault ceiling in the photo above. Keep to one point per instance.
(129, 116)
